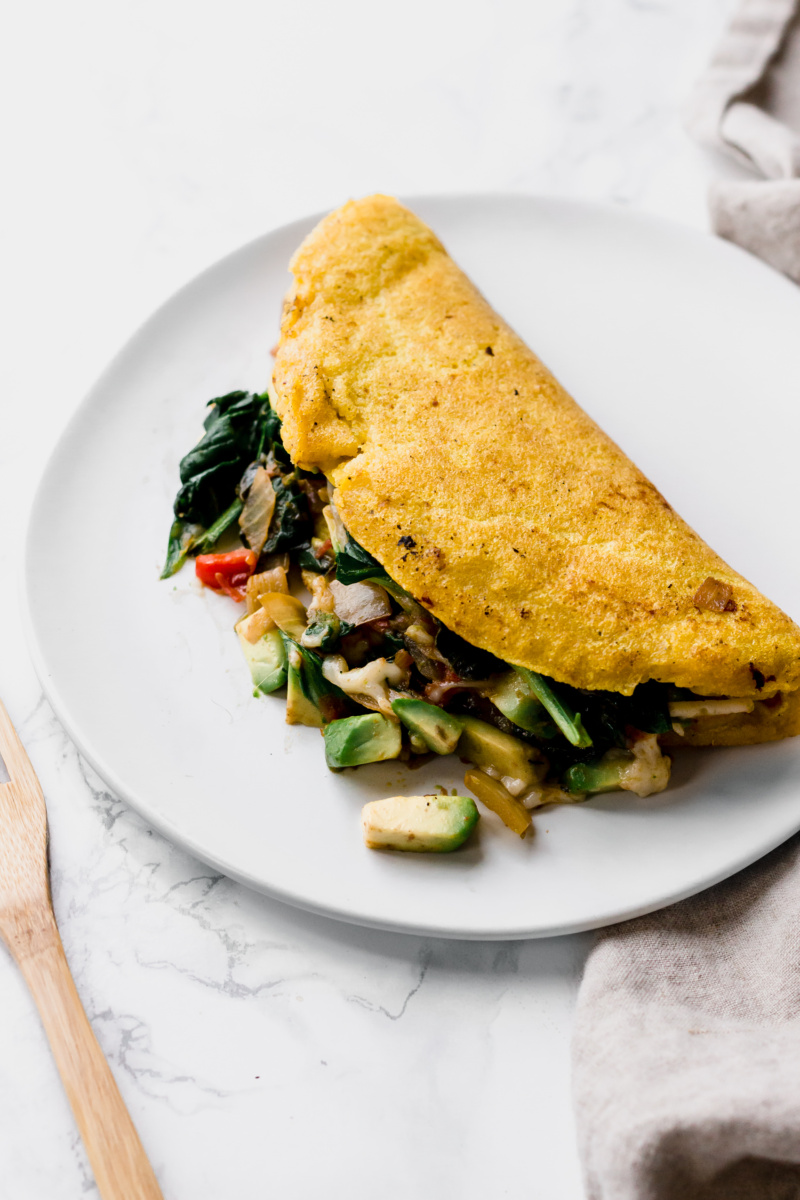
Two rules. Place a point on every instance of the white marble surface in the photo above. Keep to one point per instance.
(264, 1052)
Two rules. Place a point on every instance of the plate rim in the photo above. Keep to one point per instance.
(164, 825)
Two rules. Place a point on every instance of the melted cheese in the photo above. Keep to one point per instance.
(649, 771)
(368, 685)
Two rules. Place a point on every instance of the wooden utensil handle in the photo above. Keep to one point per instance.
(120, 1165)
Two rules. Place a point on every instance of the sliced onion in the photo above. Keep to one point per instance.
(358, 603)
(258, 509)
(273, 580)
(286, 611)
(437, 692)
(255, 625)
(335, 527)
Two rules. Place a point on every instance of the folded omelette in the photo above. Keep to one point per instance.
(459, 462)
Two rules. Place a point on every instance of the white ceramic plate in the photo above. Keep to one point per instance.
(682, 347)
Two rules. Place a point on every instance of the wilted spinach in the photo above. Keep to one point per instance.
(291, 523)
(239, 428)
(354, 564)
(566, 714)
(467, 660)
(328, 698)
(608, 715)
(308, 561)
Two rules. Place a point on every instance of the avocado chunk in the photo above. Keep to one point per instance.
(310, 698)
(603, 776)
(486, 746)
(300, 708)
(518, 702)
(353, 741)
(433, 824)
(438, 729)
(266, 659)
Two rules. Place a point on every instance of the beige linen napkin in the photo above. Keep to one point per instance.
(748, 105)
(686, 1051)
(687, 1046)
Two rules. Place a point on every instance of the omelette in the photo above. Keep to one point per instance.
(458, 461)
(490, 576)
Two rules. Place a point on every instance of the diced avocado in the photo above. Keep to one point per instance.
(487, 746)
(300, 708)
(322, 633)
(603, 776)
(438, 729)
(353, 741)
(306, 681)
(436, 824)
(517, 701)
(266, 659)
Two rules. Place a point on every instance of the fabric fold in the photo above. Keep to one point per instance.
(686, 1053)
(687, 1046)
(747, 105)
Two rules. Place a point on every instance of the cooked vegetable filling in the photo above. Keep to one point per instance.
(368, 665)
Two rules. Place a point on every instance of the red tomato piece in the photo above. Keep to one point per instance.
(226, 572)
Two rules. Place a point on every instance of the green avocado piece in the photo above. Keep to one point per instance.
(516, 700)
(436, 824)
(300, 708)
(310, 698)
(603, 776)
(438, 729)
(353, 741)
(266, 659)
(487, 746)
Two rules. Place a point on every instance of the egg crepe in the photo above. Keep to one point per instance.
(460, 463)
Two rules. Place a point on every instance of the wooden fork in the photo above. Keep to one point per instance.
(28, 927)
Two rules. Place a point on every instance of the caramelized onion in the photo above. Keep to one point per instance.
(715, 596)
(358, 603)
(258, 508)
(438, 692)
(273, 580)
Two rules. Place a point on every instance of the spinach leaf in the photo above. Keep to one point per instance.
(183, 537)
(354, 564)
(467, 660)
(308, 561)
(323, 631)
(204, 495)
(392, 642)
(239, 428)
(329, 699)
(649, 708)
(186, 539)
(291, 523)
(568, 721)
(608, 714)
